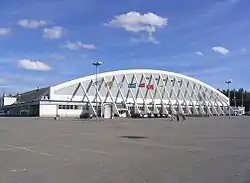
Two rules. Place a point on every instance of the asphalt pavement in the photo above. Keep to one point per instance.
(199, 150)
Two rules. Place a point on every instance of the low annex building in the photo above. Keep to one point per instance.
(122, 93)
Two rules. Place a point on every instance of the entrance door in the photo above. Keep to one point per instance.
(107, 111)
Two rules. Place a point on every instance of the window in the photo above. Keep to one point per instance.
(67, 107)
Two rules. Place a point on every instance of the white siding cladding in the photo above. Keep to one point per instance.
(47, 110)
(69, 113)
(168, 89)
(8, 100)
(52, 108)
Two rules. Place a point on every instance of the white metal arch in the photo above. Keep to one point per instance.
(136, 71)
(203, 87)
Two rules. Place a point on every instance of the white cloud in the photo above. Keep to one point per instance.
(4, 31)
(34, 65)
(139, 23)
(78, 45)
(32, 24)
(221, 50)
(199, 53)
(53, 33)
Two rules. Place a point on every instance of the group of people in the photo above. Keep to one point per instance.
(177, 116)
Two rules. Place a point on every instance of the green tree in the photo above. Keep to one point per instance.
(241, 97)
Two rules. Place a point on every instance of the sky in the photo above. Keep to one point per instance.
(47, 42)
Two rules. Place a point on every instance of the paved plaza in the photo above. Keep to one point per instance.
(200, 150)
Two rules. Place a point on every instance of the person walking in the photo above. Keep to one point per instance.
(177, 117)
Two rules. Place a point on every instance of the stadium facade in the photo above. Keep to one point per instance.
(122, 93)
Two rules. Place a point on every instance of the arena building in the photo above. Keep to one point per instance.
(122, 93)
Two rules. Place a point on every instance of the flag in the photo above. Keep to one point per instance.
(150, 87)
(142, 85)
(132, 85)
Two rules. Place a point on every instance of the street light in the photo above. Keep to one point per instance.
(96, 64)
(234, 104)
(242, 98)
(228, 84)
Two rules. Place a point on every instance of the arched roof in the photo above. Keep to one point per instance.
(136, 71)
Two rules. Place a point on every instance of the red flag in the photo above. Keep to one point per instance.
(142, 85)
(150, 87)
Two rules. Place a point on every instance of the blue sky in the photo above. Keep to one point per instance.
(47, 42)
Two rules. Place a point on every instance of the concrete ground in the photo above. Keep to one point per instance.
(201, 150)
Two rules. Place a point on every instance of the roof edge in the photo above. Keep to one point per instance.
(129, 71)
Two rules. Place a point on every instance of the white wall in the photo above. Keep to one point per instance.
(67, 97)
(47, 110)
(51, 109)
(9, 100)
(69, 112)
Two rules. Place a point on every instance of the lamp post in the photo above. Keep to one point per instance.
(96, 64)
(228, 86)
(242, 98)
(234, 104)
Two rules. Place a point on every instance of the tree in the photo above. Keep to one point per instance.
(241, 97)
